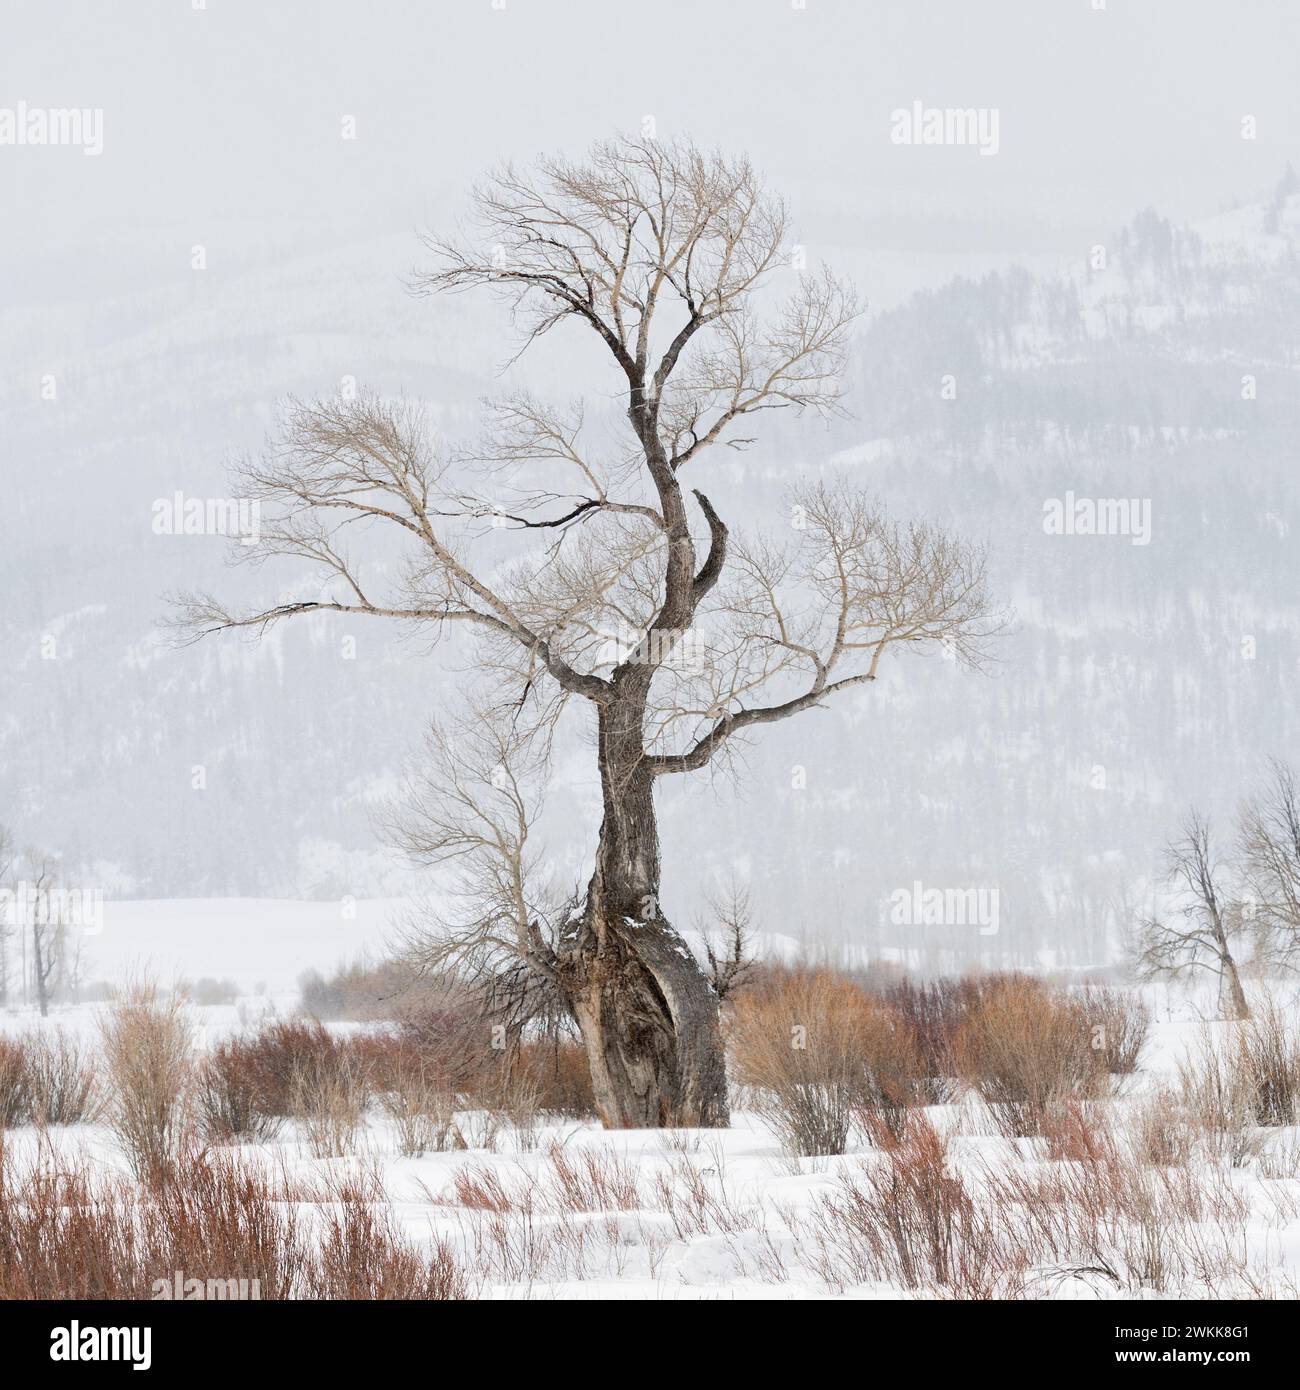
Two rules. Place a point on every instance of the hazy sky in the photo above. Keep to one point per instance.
(223, 125)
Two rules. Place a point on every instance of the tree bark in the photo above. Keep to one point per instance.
(42, 971)
(647, 1012)
(1236, 995)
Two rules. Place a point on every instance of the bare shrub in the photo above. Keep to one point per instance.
(1270, 1054)
(905, 1217)
(560, 1076)
(363, 1255)
(422, 1074)
(431, 1003)
(64, 1082)
(695, 1198)
(1281, 1159)
(280, 1052)
(68, 1234)
(933, 1012)
(1105, 1214)
(816, 1051)
(452, 1037)
(515, 1099)
(793, 1042)
(1024, 1047)
(1161, 1133)
(1119, 1022)
(63, 1236)
(330, 1094)
(572, 1182)
(327, 998)
(877, 977)
(440, 1059)
(478, 1188)
(1074, 1132)
(389, 990)
(891, 1076)
(15, 1083)
(422, 1109)
(147, 1048)
(1241, 1081)
(521, 1086)
(65, 1233)
(229, 1097)
(512, 1239)
(225, 1219)
(1217, 1092)
(209, 992)
(591, 1180)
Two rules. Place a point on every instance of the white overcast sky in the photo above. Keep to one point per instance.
(222, 125)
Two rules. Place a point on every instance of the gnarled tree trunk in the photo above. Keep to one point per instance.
(648, 1014)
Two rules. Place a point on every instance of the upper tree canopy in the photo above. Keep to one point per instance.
(673, 258)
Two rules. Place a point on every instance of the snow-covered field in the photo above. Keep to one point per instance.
(263, 945)
(252, 941)
(568, 1210)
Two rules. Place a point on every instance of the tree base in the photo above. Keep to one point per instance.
(649, 1022)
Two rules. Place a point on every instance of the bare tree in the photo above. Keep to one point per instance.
(680, 643)
(32, 913)
(469, 805)
(1268, 838)
(729, 924)
(49, 933)
(1207, 921)
(472, 804)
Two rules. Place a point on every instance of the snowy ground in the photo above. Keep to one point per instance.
(729, 1232)
(696, 1214)
(252, 941)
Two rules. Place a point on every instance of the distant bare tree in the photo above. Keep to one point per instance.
(1268, 837)
(1207, 921)
(49, 934)
(663, 254)
(31, 915)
